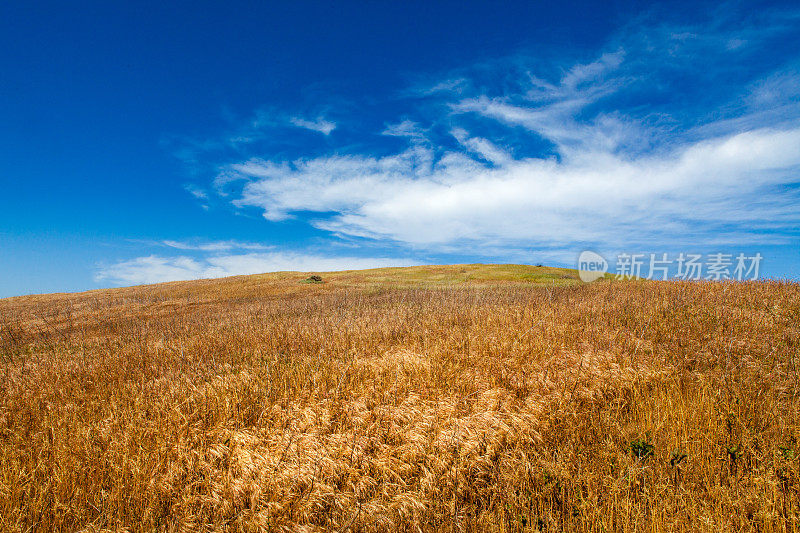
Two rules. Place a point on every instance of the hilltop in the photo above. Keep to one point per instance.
(414, 276)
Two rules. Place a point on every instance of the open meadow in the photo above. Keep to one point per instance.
(458, 398)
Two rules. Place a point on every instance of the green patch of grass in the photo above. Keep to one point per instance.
(641, 448)
(448, 275)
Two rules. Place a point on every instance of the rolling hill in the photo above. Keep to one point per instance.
(432, 398)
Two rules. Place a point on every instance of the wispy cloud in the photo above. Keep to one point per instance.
(321, 125)
(196, 191)
(617, 149)
(214, 246)
(157, 268)
(406, 128)
(423, 89)
(719, 187)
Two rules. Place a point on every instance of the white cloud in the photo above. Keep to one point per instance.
(321, 125)
(607, 177)
(406, 128)
(507, 157)
(483, 148)
(592, 195)
(588, 74)
(150, 269)
(214, 246)
(196, 191)
(777, 90)
(157, 269)
(454, 85)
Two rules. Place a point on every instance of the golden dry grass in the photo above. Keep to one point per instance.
(463, 398)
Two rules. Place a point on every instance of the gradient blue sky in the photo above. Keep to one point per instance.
(144, 142)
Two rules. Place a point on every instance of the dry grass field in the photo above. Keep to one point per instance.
(460, 398)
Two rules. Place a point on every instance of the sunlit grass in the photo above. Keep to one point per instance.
(460, 398)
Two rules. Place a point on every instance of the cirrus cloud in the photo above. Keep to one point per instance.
(583, 157)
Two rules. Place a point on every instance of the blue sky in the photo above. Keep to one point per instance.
(144, 142)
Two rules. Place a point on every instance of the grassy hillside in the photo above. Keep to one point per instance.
(131, 300)
(457, 398)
